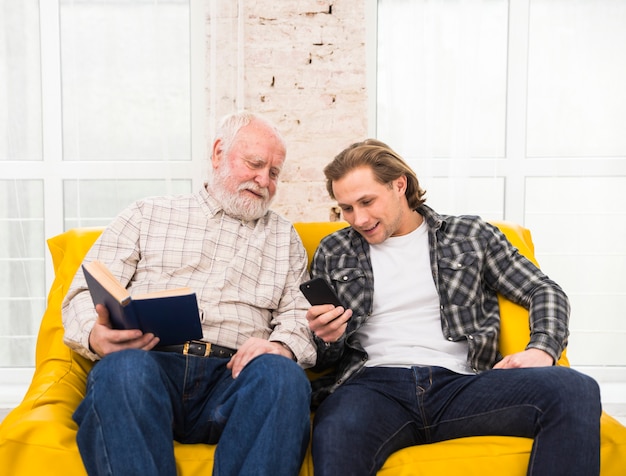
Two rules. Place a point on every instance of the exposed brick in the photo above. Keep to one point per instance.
(304, 68)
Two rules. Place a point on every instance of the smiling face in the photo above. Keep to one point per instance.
(375, 210)
(246, 175)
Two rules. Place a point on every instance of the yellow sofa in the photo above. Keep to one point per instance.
(38, 437)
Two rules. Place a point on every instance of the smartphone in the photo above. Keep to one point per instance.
(318, 291)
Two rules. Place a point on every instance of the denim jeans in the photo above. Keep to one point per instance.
(381, 410)
(138, 402)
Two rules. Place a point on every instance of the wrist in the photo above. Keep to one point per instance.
(287, 351)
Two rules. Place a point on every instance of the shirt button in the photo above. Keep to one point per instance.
(345, 278)
(470, 337)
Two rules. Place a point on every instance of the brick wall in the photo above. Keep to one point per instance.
(302, 64)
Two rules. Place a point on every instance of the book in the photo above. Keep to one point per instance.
(172, 315)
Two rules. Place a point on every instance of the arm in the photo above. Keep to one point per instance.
(327, 322)
(88, 331)
(290, 335)
(519, 280)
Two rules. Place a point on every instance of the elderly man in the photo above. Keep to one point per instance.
(245, 263)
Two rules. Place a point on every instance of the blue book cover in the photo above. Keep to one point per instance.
(172, 314)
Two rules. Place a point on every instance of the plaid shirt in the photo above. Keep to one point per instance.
(471, 261)
(245, 274)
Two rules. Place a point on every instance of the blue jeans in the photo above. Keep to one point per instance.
(138, 402)
(381, 410)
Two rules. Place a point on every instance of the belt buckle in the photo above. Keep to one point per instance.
(207, 348)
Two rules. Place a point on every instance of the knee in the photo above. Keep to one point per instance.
(124, 369)
(278, 376)
(579, 386)
(577, 393)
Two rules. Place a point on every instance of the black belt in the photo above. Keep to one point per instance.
(199, 348)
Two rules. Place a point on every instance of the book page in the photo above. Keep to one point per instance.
(164, 293)
(109, 282)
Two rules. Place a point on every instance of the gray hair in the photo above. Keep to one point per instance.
(230, 125)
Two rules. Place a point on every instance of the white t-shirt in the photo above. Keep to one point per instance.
(404, 329)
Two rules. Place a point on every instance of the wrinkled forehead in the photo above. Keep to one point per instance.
(260, 143)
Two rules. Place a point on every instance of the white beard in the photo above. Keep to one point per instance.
(237, 205)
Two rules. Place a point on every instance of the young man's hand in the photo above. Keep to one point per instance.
(328, 322)
(526, 358)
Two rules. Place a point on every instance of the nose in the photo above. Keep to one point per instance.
(360, 216)
(263, 178)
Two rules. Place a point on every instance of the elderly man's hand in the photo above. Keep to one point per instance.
(252, 348)
(104, 340)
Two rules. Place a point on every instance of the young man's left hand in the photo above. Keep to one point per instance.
(526, 358)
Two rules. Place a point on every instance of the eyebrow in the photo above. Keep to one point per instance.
(257, 160)
(358, 200)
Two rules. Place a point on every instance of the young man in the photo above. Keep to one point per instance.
(245, 264)
(415, 351)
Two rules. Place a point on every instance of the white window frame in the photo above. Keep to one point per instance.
(52, 170)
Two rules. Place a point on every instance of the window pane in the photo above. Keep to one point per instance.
(96, 202)
(468, 195)
(20, 94)
(587, 257)
(22, 286)
(441, 72)
(581, 111)
(125, 79)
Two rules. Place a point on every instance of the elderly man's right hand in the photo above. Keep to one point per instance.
(104, 340)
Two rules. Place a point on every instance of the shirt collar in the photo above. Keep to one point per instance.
(434, 220)
(211, 206)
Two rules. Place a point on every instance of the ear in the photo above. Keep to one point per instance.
(399, 184)
(217, 153)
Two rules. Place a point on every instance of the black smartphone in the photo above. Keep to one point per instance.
(318, 291)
